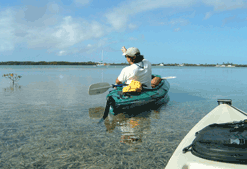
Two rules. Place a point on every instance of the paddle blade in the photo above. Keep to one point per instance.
(98, 88)
(169, 77)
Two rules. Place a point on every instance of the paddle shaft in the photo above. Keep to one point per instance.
(100, 88)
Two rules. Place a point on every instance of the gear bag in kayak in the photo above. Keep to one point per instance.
(225, 142)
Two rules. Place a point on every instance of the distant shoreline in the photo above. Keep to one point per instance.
(113, 64)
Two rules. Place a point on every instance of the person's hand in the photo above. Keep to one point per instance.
(123, 49)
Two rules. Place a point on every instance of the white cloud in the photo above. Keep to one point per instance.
(88, 49)
(43, 27)
(66, 34)
(224, 5)
(70, 32)
(117, 20)
(67, 30)
(40, 32)
(61, 53)
(119, 16)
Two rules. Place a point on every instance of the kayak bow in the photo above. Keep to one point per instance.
(223, 113)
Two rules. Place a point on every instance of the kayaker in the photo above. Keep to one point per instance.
(139, 69)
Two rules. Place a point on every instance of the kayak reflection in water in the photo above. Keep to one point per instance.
(131, 131)
(132, 128)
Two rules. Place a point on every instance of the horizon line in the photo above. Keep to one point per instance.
(126, 63)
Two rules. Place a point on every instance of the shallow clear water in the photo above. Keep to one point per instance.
(48, 120)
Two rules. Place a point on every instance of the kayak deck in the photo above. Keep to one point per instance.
(223, 113)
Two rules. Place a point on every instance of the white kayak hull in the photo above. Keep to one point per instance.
(223, 113)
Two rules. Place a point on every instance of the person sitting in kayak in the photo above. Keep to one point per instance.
(139, 69)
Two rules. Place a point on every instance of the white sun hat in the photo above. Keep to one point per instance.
(131, 51)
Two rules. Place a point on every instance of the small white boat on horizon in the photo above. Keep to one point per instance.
(230, 66)
(224, 66)
(99, 64)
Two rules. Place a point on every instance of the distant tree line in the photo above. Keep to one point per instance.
(46, 63)
(94, 63)
(185, 64)
(53, 63)
(204, 65)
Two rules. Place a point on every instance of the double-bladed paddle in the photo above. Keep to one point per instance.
(99, 88)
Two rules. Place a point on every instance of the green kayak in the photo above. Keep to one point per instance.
(130, 102)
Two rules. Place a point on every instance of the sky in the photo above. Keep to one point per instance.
(165, 31)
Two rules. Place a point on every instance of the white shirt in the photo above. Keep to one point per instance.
(140, 71)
